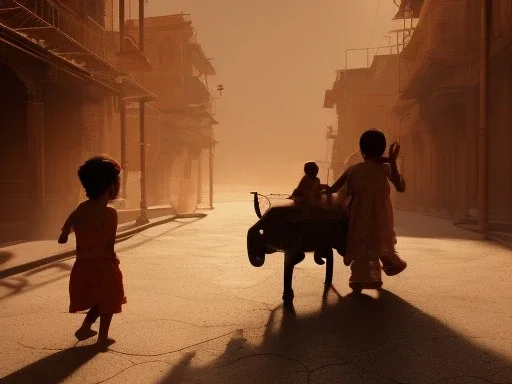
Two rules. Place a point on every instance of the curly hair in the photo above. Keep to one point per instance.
(97, 175)
(311, 169)
(372, 143)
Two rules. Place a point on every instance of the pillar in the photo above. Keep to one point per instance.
(200, 176)
(212, 146)
(143, 218)
(122, 112)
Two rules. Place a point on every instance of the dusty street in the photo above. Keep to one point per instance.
(198, 312)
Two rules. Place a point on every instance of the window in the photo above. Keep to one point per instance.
(95, 9)
(167, 51)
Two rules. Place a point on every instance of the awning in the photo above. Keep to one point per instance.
(190, 115)
(13, 39)
(200, 61)
(125, 87)
(194, 138)
(131, 59)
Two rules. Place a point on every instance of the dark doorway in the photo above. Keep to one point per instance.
(15, 192)
(63, 118)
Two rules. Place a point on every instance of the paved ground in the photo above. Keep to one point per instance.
(199, 313)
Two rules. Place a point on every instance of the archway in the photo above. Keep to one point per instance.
(15, 189)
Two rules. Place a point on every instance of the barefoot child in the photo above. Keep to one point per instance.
(371, 235)
(96, 280)
(307, 196)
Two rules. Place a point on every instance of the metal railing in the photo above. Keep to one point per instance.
(71, 26)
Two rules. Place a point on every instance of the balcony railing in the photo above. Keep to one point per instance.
(67, 23)
(59, 29)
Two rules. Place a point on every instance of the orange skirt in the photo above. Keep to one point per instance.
(96, 282)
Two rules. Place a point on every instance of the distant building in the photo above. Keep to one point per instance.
(364, 99)
(183, 129)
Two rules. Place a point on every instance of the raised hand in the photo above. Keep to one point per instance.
(394, 151)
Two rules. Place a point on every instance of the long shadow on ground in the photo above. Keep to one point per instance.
(382, 340)
(356, 340)
(53, 369)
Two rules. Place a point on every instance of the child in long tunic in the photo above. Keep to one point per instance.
(96, 282)
(371, 237)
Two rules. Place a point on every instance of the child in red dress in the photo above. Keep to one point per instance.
(96, 282)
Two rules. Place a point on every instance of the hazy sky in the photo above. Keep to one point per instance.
(275, 58)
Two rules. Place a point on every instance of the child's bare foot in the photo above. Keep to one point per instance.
(84, 333)
(103, 343)
(318, 258)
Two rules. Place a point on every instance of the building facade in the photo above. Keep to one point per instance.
(439, 110)
(181, 138)
(364, 99)
(74, 82)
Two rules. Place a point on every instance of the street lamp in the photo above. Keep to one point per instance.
(220, 88)
(330, 137)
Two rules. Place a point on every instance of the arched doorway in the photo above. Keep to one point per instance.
(15, 189)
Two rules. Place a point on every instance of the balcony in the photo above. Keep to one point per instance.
(196, 92)
(58, 29)
(200, 61)
(192, 125)
(62, 32)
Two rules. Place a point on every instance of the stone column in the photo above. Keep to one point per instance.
(199, 176)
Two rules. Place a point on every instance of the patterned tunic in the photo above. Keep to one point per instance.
(371, 233)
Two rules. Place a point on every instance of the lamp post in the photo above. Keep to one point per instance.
(211, 153)
(211, 157)
(330, 137)
(143, 217)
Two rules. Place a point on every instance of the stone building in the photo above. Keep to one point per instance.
(63, 79)
(500, 117)
(364, 98)
(439, 110)
(181, 137)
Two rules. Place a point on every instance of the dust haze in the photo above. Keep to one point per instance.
(275, 59)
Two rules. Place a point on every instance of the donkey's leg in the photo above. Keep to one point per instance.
(329, 267)
(289, 264)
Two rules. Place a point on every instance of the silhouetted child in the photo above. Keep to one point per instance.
(371, 235)
(96, 282)
(307, 196)
(309, 187)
